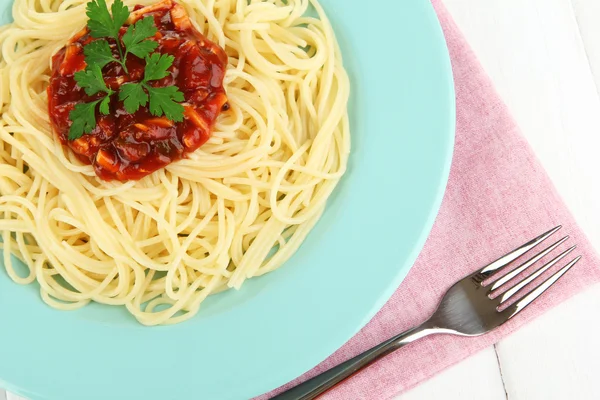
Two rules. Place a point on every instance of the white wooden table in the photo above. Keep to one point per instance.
(544, 57)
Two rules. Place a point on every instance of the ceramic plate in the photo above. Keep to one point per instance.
(245, 343)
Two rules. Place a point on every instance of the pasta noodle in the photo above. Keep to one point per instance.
(236, 208)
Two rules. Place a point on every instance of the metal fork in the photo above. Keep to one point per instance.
(472, 307)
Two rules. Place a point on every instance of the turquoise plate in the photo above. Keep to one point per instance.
(278, 326)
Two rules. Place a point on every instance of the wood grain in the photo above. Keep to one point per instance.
(476, 376)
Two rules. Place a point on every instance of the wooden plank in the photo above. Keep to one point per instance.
(558, 356)
(477, 377)
(587, 14)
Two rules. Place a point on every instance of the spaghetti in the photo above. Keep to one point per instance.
(236, 208)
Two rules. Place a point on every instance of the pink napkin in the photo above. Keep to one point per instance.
(498, 196)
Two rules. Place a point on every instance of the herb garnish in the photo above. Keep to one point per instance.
(162, 99)
(101, 24)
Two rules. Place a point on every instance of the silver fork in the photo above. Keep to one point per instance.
(472, 307)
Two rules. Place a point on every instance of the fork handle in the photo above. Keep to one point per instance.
(319, 384)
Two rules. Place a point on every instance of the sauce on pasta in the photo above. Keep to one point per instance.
(127, 146)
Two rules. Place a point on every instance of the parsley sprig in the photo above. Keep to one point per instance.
(84, 114)
(162, 99)
(103, 24)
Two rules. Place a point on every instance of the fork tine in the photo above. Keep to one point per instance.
(535, 293)
(518, 252)
(526, 264)
(509, 293)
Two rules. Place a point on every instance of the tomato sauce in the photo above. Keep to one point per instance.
(126, 146)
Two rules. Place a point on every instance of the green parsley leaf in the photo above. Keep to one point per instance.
(135, 37)
(91, 80)
(163, 100)
(133, 96)
(101, 23)
(120, 13)
(98, 53)
(104, 106)
(157, 65)
(84, 119)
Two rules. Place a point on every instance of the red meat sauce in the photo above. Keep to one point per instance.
(127, 146)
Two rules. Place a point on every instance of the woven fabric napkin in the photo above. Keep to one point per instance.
(498, 196)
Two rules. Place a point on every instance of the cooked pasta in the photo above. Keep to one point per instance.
(236, 208)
